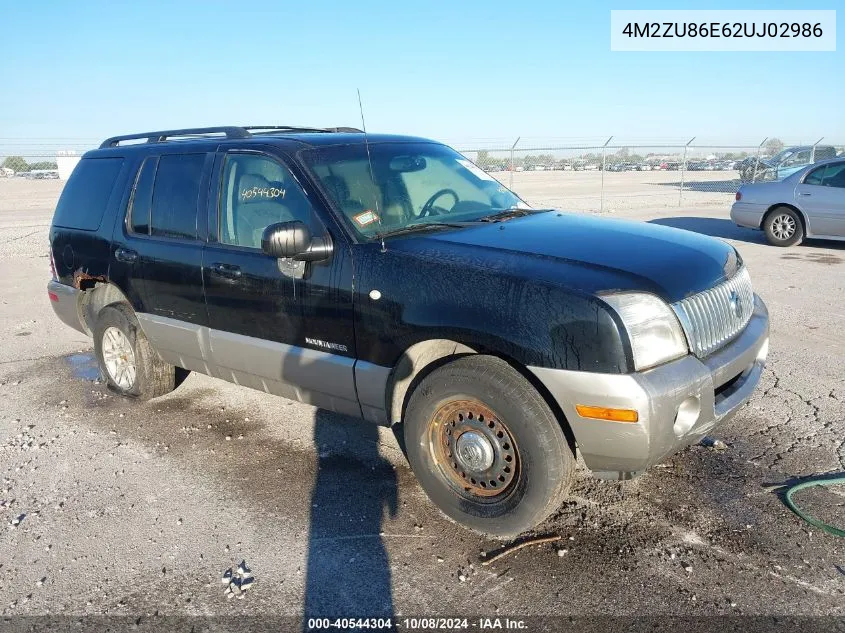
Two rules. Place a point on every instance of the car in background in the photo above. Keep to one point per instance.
(786, 162)
(622, 167)
(644, 167)
(808, 203)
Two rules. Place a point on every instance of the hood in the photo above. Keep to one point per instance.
(587, 253)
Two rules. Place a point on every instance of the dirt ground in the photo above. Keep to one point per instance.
(132, 509)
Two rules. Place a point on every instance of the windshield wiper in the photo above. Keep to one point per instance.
(507, 214)
(424, 226)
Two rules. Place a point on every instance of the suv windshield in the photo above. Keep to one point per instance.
(781, 156)
(411, 184)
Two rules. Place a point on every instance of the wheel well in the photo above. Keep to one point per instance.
(419, 360)
(97, 295)
(774, 207)
(416, 363)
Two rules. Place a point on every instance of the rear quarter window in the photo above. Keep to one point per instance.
(86, 195)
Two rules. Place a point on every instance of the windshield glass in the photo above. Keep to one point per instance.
(411, 184)
(781, 156)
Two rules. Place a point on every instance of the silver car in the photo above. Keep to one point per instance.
(809, 203)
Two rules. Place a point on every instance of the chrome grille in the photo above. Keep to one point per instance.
(713, 317)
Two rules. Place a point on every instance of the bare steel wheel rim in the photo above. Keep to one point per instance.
(783, 226)
(473, 449)
(119, 358)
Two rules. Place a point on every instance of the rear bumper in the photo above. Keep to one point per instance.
(678, 403)
(747, 214)
(65, 302)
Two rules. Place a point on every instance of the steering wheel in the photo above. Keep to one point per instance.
(428, 207)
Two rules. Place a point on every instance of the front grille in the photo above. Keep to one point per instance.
(713, 317)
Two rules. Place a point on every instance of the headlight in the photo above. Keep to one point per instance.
(655, 333)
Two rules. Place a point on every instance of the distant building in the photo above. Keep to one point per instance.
(66, 162)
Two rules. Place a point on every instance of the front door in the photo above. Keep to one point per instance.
(822, 198)
(278, 325)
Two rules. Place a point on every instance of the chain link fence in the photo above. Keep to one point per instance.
(592, 176)
(612, 176)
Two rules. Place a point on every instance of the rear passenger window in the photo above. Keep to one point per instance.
(86, 194)
(173, 212)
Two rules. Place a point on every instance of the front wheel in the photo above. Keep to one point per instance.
(128, 363)
(783, 227)
(486, 448)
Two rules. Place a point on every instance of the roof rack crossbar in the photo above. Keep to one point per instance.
(285, 128)
(160, 137)
(296, 128)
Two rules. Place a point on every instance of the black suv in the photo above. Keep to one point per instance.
(390, 278)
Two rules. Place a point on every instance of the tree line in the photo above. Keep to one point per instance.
(18, 164)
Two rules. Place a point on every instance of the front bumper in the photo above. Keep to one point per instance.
(748, 214)
(678, 403)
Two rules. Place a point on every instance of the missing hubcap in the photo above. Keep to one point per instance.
(473, 449)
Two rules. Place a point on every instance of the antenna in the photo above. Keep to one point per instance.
(372, 174)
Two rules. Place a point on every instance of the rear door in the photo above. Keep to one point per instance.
(275, 324)
(160, 246)
(822, 198)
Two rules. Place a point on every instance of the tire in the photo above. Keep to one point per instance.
(783, 227)
(139, 372)
(529, 467)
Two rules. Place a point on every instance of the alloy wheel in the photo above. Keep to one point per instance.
(119, 358)
(783, 227)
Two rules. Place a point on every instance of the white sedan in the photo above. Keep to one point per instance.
(809, 203)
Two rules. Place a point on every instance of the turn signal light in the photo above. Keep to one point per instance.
(604, 413)
(738, 196)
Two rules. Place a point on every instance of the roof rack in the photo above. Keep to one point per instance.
(161, 137)
(295, 128)
(231, 131)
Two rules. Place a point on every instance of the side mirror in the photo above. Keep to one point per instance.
(293, 240)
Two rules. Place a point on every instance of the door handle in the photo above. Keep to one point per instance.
(125, 255)
(229, 271)
(802, 193)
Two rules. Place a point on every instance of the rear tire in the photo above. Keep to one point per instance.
(486, 447)
(783, 227)
(128, 364)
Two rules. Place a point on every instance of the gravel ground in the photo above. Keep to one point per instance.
(623, 191)
(117, 508)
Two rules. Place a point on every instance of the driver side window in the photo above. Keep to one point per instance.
(257, 191)
(815, 177)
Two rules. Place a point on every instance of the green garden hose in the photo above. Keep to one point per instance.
(830, 529)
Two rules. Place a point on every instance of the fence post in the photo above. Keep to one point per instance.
(813, 153)
(757, 160)
(683, 172)
(603, 165)
(510, 186)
